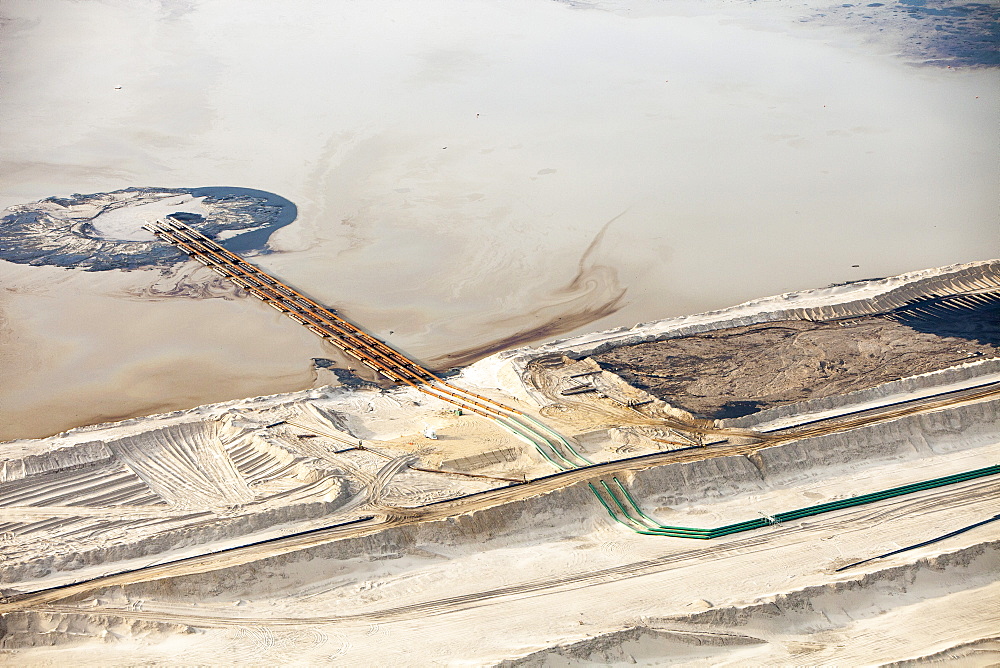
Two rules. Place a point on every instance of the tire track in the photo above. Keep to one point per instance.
(763, 541)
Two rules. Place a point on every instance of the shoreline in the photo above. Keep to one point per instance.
(842, 301)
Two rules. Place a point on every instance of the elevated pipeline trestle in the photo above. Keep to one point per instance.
(391, 363)
(372, 352)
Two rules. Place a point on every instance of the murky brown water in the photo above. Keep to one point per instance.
(469, 176)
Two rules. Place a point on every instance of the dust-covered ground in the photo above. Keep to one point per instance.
(732, 372)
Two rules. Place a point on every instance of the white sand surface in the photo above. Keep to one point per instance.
(476, 172)
(837, 483)
(501, 601)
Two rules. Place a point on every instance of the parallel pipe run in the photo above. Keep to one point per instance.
(553, 447)
(366, 348)
(385, 359)
(317, 319)
(631, 515)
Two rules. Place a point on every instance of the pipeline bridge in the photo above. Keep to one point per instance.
(370, 351)
(380, 357)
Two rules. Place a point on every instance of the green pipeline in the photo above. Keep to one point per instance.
(624, 509)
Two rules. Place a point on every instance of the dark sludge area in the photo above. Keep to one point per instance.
(735, 409)
(56, 232)
(739, 371)
(269, 210)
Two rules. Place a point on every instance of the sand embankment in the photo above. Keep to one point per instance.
(839, 301)
(962, 375)
(154, 491)
(573, 510)
(803, 627)
(67, 457)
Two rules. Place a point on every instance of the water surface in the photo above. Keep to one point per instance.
(474, 175)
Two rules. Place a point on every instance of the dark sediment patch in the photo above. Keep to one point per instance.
(735, 409)
(558, 325)
(738, 371)
(345, 377)
(59, 231)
